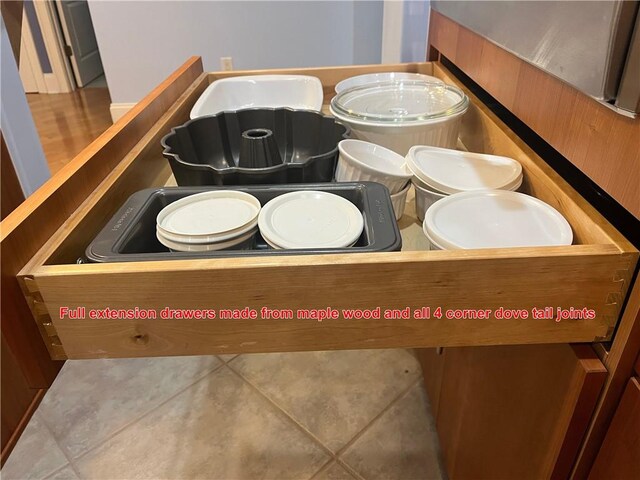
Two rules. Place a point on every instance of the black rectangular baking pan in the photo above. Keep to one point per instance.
(130, 236)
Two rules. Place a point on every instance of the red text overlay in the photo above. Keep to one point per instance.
(329, 313)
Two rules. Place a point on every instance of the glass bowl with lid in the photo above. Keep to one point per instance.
(403, 113)
(381, 77)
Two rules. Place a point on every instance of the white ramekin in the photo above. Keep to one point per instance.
(364, 161)
(432, 244)
(399, 201)
(425, 197)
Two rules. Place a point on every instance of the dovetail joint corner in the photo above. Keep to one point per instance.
(607, 336)
(613, 298)
(30, 284)
(42, 318)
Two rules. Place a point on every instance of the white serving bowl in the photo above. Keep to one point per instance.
(398, 115)
(494, 219)
(370, 78)
(399, 201)
(299, 92)
(363, 161)
(425, 197)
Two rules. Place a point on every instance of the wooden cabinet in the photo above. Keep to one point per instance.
(600, 144)
(512, 411)
(432, 362)
(27, 368)
(11, 194)
(19, 399)
(44, 237)
(619, 456)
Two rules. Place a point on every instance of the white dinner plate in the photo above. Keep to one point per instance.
(310, 219)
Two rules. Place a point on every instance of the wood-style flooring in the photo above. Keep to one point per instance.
(68, 122)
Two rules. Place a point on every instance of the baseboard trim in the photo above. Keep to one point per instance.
(117, 110)
(24, 421)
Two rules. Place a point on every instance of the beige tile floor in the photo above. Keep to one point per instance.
(322, 415)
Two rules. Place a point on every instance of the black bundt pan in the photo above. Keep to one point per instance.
(255, 146)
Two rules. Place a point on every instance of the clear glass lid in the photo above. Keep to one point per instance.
(403, 101)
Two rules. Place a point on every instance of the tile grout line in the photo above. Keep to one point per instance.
(323, 468)
(60, 447)
(342, 449)
(358, 435)
(334, 457)
(230, 360)
(55, 472)
(133, 422)
(282, 411)
(350, 470)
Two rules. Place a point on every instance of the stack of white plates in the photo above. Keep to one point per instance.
(209, 221)
(310, 219)
(494, 219)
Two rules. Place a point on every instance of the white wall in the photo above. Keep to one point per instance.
(415, 27)
(17, 124)
(143, 42)
(367, 32)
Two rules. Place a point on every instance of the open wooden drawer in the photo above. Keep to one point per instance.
(595, 272)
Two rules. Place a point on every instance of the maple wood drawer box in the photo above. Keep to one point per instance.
(594, 272)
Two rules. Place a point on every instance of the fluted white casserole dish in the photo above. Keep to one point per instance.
(400, 114)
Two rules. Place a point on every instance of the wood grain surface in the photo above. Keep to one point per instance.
(12, 13)
(17, 399)
(68, 122)
(619, 456)
(11, 194)
(593, 273)
(515, 411)
(487, 279)
(432, 362)
(603, 144)
(619, 360)
(29, 226)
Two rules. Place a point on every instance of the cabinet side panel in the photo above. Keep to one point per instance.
(506, 412)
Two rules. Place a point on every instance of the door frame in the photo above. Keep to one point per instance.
(61, 79)
(29, 64)
(392, 25)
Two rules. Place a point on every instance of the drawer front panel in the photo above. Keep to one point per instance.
(336, 281)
